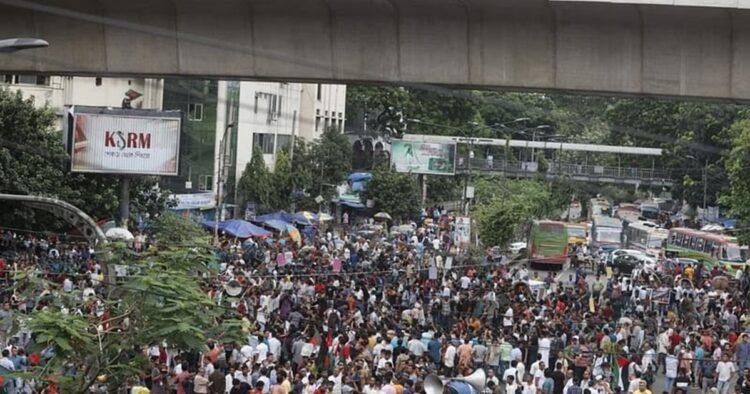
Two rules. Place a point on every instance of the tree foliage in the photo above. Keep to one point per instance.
(394, 192)
(256, 182)
(331, 156)
(33, 161)
(738, 166)
(505, 207)
(162, 301)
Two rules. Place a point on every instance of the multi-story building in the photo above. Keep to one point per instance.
(57, 92)
(269, 115)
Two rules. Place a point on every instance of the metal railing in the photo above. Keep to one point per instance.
(564, 169)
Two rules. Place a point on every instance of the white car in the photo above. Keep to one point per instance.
(515, 247)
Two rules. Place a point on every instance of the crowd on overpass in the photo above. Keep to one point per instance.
(344, 313)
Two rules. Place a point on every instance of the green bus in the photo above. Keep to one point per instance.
(548, 243)
(711, 249)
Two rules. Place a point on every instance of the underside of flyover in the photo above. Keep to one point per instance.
(538, 45)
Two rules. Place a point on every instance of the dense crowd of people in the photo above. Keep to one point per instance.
(369, 313)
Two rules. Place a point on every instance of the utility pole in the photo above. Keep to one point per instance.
(469, 156)
(705, 184)
(222, 167)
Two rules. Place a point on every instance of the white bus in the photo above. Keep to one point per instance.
(646, 237)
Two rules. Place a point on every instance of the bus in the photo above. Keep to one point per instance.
(577, 233)
(548, 243)
(605, 232)
(711, 249)
(629, 212)
(599, 207)
(650, 210)
(646, 237)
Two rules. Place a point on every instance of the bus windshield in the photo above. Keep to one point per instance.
(736, 253)
(608, 235)
(655, 243)
(576, 232)
(553, 228)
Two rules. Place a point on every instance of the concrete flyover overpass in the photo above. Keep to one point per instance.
(668, 48)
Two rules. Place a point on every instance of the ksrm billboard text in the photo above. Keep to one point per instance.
(123, 141)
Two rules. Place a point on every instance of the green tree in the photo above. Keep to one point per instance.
(256, 183)
(162, 301)
(737, 166)
(282, 182)
(505, 207)
(690, 135)
(332, 161)
(394, 192)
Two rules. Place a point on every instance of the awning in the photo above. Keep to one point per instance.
(352, 204)
(238, 228)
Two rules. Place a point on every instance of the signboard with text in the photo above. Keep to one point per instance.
(116, 141)
(429, 158)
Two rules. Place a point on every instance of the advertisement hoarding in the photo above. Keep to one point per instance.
(124, 141)
(430, 158)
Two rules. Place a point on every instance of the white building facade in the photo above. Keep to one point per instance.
(271, 115)
(57, 92)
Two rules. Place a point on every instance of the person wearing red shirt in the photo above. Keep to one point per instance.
(675, 338)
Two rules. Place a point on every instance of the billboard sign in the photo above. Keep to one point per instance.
(114, 141)
(430, 158)
(194, 201)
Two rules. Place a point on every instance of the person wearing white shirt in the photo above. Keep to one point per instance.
(671, 365)
(449, 358)
(511, 371)
(416, 347)
(262, 350)
(725, 371)
(266, 382)
(545, 344)
(508, 317)
(274, 347)
(243, 376)
(5, 362)
(228, 378)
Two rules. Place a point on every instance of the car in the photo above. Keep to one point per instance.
(646, 260)
(625, 263)
(517, 247)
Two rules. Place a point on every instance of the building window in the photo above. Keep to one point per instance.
(8, 78)
(327, 124)
(320, 92)
(341, 125)
(283, 141)
(98, 81)
(195, 112)
(31, 79)
(341, 115)
(255, 108)
(205, 183)
(317, 123)
(264, 141)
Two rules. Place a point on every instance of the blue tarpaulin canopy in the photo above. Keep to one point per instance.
(238, 228)
(352, 204)
(278, 225)
(281, 215)
(359, 177)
